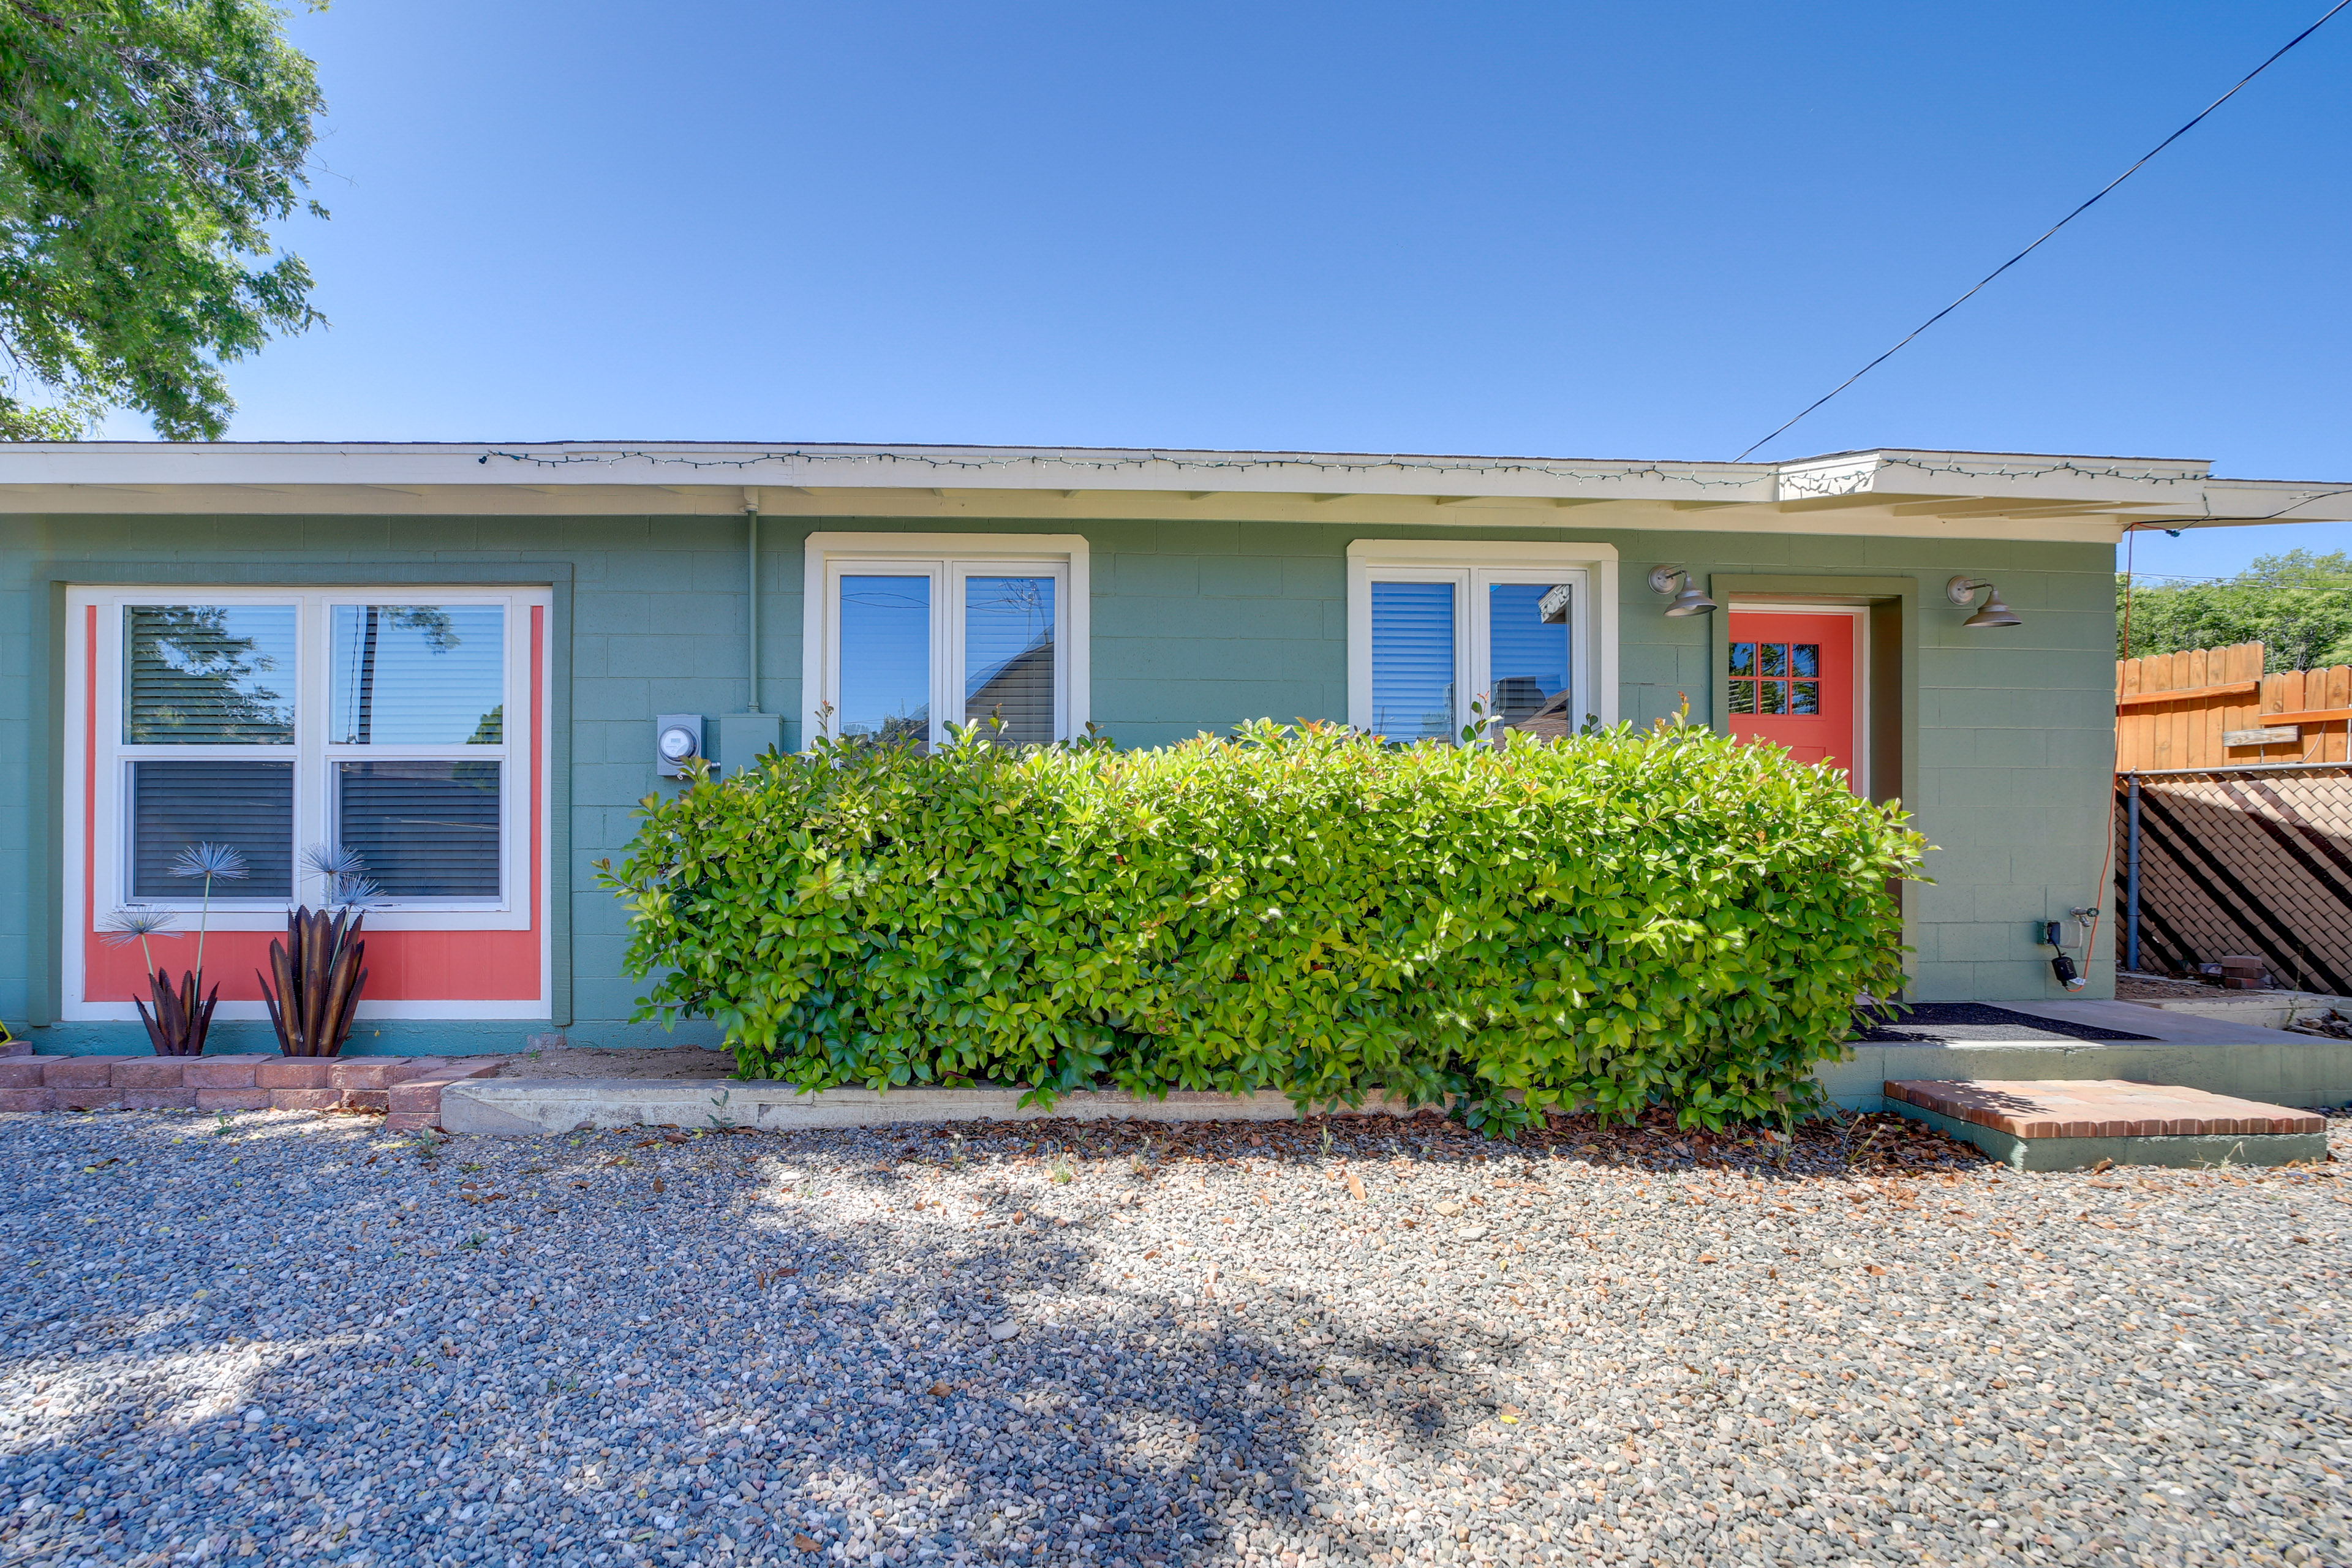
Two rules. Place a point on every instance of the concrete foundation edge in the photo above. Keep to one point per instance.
(530, 1107)
(2081, 1153)
(2315, 1074)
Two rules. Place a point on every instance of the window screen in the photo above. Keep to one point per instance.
(886, 657)
(208, 674)
(1527, 656)
(1009, 655)
(249, 805)
(1412, 660)
(418, 675)
(425, 829)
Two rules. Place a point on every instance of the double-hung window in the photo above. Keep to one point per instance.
(387, 724)
(907, 633)
(1525, 631)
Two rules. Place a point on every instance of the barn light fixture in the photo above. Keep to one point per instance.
(1690, 601)
(1963, 590)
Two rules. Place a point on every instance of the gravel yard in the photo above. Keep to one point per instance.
(293, 1337)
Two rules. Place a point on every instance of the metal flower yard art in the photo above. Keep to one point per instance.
(177, 1026)
(315, 980)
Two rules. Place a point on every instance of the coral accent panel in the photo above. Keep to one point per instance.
(401, 966)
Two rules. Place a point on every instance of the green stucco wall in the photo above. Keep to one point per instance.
(1195, 626)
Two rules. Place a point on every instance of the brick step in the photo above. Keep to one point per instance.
(2070, 1124)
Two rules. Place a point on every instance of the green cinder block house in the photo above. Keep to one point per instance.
(468, 663)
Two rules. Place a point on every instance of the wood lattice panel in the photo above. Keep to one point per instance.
(2245, 862)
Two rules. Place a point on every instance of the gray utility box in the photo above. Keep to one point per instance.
(744, 737)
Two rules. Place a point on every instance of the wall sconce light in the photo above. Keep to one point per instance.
(1690, 601)
(1963, 590)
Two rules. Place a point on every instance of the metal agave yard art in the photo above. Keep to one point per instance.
(315, 980)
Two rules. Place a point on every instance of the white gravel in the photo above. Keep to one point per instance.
(298, 1339)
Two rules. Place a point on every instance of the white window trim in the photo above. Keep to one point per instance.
(1470, 564)
(313, 775)
(950, 558)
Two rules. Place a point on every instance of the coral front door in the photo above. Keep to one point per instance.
(1793, 683)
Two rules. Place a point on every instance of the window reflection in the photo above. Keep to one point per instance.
(886, 659)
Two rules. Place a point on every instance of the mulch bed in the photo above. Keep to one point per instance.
(1879, 1143)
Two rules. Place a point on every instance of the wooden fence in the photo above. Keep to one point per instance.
(2214, 708)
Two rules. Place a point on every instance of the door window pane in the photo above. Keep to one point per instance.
(1527, 656)
(1008, 658)
(1412, 660)
(1743, 658)
(1772, 697)
(418, 675)
(425, 829)
(1776, 658)
(1804, 696)
(1805, 660)
(886, 657)
(1743, 697)
(208, 674)
(249, 806)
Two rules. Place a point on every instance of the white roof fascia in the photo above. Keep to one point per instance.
(682, 477)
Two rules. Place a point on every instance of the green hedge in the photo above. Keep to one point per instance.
(1620, 918)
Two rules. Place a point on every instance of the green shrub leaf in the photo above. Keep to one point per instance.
(1614, 920)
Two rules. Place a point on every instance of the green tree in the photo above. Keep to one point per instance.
(145, 146)
(2298, 605)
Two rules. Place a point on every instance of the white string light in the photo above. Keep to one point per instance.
(1139, 462)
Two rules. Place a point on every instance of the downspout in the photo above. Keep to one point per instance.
(2131, 876)
(751, 594)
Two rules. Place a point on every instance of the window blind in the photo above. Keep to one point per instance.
(425, 829)
(249, 805)
(1412, 660)
(1009, 655)
(418, 675)
(208, 674)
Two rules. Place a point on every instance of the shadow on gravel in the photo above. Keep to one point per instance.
(834, 1383)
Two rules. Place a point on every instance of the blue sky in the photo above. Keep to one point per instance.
(1579, 230)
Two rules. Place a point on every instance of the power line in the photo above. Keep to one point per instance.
(2053, 228)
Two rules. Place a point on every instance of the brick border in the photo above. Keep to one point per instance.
(406, 1089)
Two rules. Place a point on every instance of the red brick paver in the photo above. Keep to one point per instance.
(2099, 1108)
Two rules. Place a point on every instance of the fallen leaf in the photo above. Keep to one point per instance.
(659, 1186)
(1153, 1253)
(803, 1543)
(1449, 1210)
(1707, 1258)
(1874, 1269)
(1355, 1187)
(647, 1143)
(941, 1391)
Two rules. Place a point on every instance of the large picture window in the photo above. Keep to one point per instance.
(382, 723)
(1527, 631)
(907, 633)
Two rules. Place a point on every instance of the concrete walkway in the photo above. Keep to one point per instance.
(2163, 1023)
